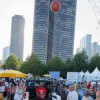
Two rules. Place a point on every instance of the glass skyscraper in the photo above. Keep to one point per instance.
(17, 36)
(53, 33)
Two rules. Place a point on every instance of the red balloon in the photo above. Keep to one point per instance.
(55, 6)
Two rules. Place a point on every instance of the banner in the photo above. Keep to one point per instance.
(54, 74)
(81, 92)
(73, 76)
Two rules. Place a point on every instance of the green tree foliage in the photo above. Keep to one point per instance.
(80, 62)
(12, 62)
(32, 65)
(94, 62)
(69, 65)
(55, 64)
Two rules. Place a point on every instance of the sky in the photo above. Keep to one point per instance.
(86, 22)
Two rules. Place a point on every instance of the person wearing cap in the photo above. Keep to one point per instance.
(73, 95)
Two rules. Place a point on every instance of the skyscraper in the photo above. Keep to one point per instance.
(6, 53)
(85, 45)
(95, 49)
(17, 36)
(53, 33)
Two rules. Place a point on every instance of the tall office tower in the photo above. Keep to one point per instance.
(53, 33)
(17, 36)
(77, 50)
(0, 61)
(85, 45)
(95, 49)
(6, 53)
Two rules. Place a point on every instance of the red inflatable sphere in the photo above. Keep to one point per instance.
(55, 6)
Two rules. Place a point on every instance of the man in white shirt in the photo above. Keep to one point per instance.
(73, 95)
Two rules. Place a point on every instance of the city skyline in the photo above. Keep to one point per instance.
(86, 22)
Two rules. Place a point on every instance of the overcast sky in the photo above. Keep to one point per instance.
(86, 22)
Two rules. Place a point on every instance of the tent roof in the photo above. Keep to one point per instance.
(96, 72)
(87, 73)
(81, 73)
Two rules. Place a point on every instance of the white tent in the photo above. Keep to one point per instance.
(81, 73)
(87, 73)
(96, 72)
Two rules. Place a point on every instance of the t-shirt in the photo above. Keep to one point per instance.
(73, 95)
(41, 92)
(89, 85)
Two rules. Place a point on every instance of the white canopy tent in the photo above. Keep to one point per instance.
(96, 72)
(81, 73)
(87, 73)
(94, 75)
(87, 76)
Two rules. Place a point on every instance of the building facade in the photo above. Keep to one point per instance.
(95, 49)
(53, 33)
(17, 36)
(6, 53)
(85, 45)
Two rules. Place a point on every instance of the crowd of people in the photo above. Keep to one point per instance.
(15, 90)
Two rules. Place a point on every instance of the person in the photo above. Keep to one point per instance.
(92, 92)
(79, 85)
(8, 92)
(75, 85)
(40, 92)
(98, 95)
(87, 97)
(18, 91)
(73, 95)
(2, 88)
(89, 85)
(63, 92)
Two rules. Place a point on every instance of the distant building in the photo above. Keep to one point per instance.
(85, 45)
(77, 50)
(0, 61)
(95, 49)
(6, 53)
(53, 33)
(17, 36)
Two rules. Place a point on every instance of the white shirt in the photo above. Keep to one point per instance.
(73, 95)
(57, 96)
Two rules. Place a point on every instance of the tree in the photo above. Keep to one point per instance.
(80, 62)
(55, 64)
(69, 65)
(12, 62)
(32, 65)
(94, 62)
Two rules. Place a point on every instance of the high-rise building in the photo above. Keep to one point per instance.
(0, 61)
(6, 53)
(95, 49)
(77, 50)
(53, 33)
(85, 45)
(17, 36)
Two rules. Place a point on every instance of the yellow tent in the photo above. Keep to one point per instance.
(46, 75)
(12, 74)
